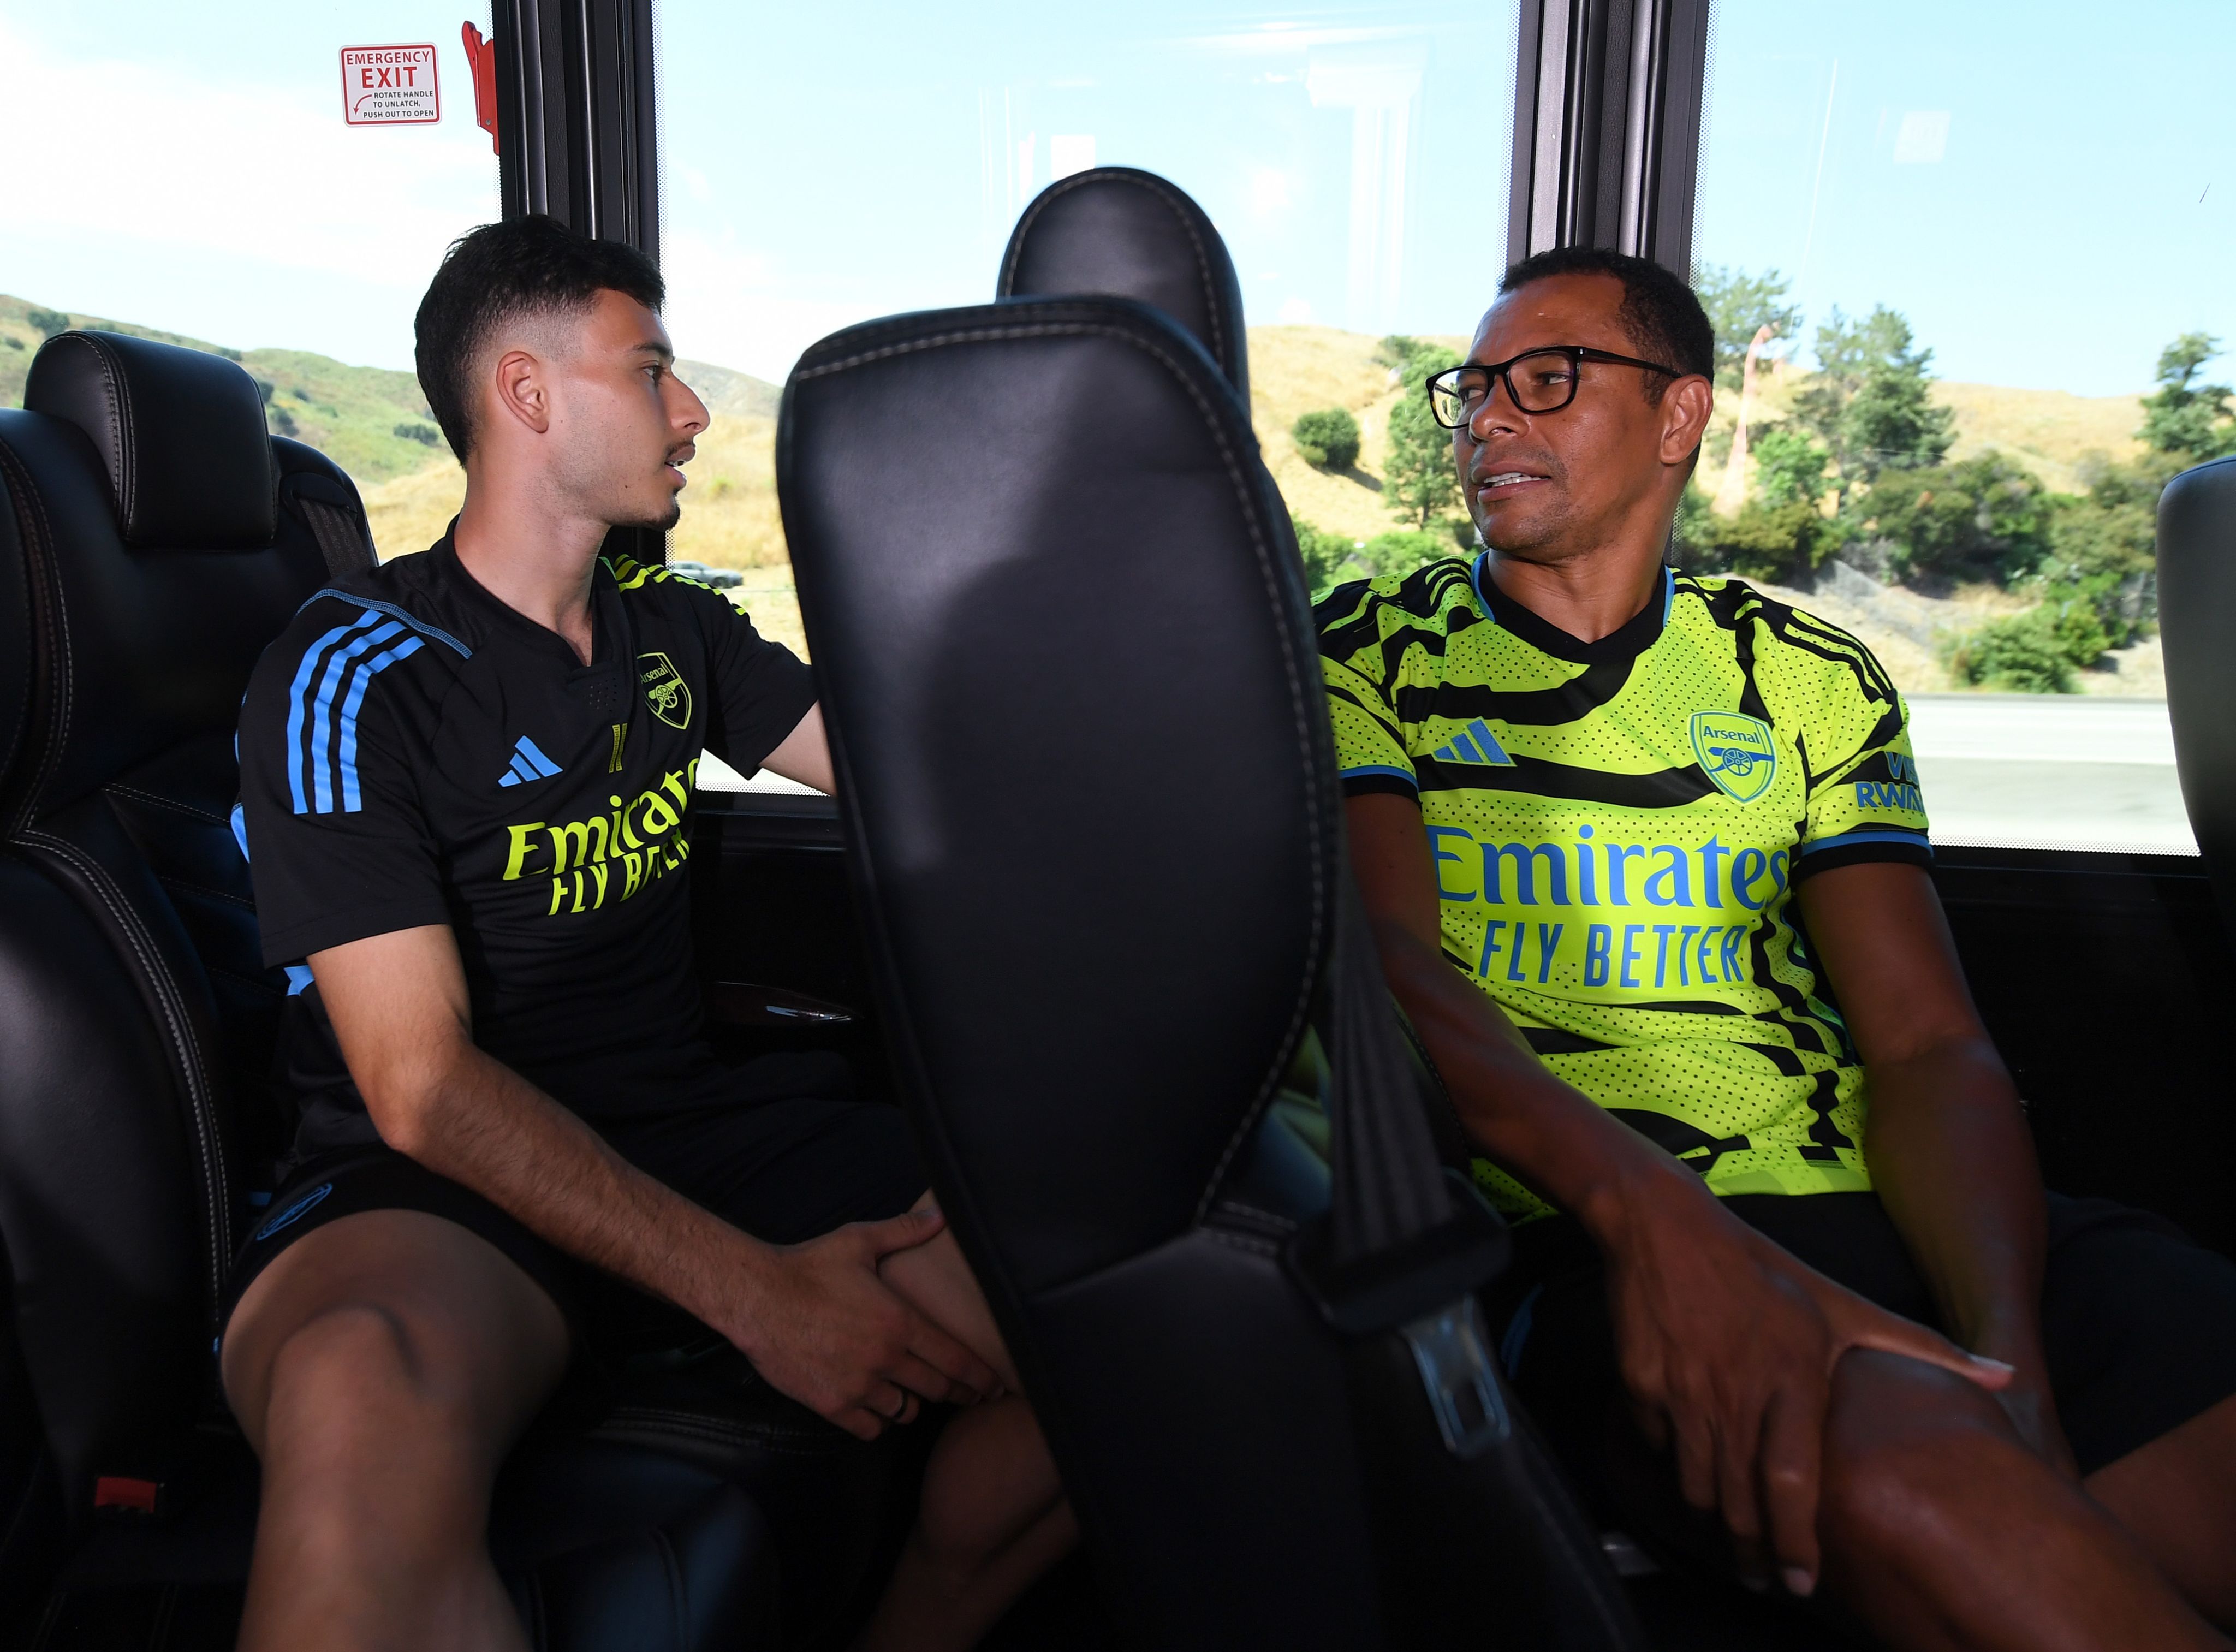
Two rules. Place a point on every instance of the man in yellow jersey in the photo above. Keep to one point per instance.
(1646, 855)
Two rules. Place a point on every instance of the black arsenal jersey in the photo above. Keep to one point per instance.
(414, 751)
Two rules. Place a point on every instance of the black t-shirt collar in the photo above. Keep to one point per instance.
(1627, 640)
(609, 628)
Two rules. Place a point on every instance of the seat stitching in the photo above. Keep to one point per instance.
(1313, 765)
(52, 622)
(219, 1213)
(160, 801)
(1170, 198)
(116, 406)
(1233, 1241)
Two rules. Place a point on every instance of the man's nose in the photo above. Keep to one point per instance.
(1497, 412)
(695, 417)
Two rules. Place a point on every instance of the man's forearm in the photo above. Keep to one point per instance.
(1553, 1137)
(486, 1128)
(1953, 1163)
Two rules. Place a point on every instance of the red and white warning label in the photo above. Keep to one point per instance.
(390, 86)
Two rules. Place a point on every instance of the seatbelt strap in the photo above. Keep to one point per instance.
(343, 539)
(1405, 1240)
(1388, 1186)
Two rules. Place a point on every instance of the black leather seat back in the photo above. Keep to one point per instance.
(2197, 617)
(1066, 658)
(166, 540)
(1124, 233)
(15, 665)
(1045, 587)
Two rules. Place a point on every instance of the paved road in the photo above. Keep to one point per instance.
(2062, 771)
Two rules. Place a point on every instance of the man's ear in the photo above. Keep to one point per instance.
(522, 388)
(1685, 410)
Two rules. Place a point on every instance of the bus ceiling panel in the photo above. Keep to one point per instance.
(1607, 123)
(576, 105)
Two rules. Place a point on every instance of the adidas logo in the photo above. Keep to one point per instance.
(1475, 744)
(528, 764)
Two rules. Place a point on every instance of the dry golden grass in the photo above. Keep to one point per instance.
(1295, 371)
(729, 508)
(411, 512)
(2049, 432)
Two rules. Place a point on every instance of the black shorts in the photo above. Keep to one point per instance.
(783, 1168)
(2139, 1323)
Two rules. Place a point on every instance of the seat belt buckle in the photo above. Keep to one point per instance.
(1410, 1281)
(1451, 1350)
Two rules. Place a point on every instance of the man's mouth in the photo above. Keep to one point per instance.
(1505, 484)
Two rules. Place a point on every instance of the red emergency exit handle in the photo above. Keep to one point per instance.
(481, 58)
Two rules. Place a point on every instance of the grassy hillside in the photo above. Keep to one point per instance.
(372, 422)
(376, 425)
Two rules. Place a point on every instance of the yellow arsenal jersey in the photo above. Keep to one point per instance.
(1617, 829)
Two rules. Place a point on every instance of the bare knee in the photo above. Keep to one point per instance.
(356, 1370)
(1912, 1456)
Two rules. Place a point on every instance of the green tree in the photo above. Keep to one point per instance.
(1328, 438)
(2103, 544)
(48, 322)
(1419, 483)
(1984, 518)
(1870, 401)
(2036, 652)
(1330, 559)
(1323, 555)
(1396, 349)
(1781, 543)
(1403, 549)
(1740, 306)
(1789, 468)
(2184, 416)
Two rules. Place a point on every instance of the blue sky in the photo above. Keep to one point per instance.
(2065, 204)
(2024, 181)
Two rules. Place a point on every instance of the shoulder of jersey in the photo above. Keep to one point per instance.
(1731, 602)
(359, 626)
(645, 579)
(1427, 594)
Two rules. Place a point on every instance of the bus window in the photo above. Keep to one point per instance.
(822, 167)
(196, 180)
(1976, 255)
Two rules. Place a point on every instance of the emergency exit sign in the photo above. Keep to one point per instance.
(390, 86)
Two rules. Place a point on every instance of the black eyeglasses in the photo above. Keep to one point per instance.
(1537, 381)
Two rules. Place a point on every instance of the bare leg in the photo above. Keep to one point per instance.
(993, 1517)
(2177, 1496)
(1943, 1531)
(382, 1367)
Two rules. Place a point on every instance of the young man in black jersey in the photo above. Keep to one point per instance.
(1779, 1140)
(466, 780)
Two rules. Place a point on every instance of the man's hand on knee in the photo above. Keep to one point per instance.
(1728, 1346)
(818, 1323)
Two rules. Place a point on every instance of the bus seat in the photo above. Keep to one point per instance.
(1125, 234)
(158, 540)
(2196, 618)
(1095, 839)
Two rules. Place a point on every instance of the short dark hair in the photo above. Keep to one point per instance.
(1661, 313)
(492, 275)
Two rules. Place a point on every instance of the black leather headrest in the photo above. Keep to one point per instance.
(1131, 234)
(2197, 614)
(180, 434)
